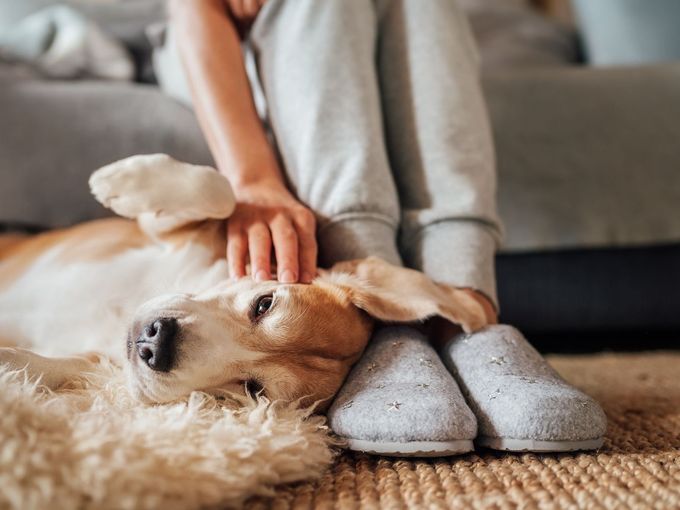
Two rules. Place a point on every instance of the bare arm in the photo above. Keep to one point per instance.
(267, 215)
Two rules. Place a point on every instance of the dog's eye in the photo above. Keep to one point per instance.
(253, 388)
(263, 305)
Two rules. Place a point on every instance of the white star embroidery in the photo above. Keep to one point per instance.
(393, 406)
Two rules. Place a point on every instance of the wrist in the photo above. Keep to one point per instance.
(248, 177)
(248, 163)
(244, 188)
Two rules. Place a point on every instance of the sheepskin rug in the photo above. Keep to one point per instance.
(92, 446)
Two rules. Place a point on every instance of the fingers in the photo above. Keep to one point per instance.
(291, 233)
(295, 246)
(285, 240)
(244, 10)
(251, 7)
(237, 250)
(236, 8)
(260, 248)
(305, 224)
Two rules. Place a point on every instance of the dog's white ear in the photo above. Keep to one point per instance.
(396, 294)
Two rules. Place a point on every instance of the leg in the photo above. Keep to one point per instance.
(161, 193)
(324, 109)
(316, 68)
(439, 141)
(442, 156)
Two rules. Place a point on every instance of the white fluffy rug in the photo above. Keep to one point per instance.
(91, 446)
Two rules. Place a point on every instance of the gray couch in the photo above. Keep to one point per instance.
(589, 180)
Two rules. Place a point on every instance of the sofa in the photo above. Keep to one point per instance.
(588, 168)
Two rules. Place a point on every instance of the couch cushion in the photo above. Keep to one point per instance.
(56, 133)
(587, 157)
(511, 34)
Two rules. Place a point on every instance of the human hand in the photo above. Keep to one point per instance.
(244, 11)
(267, 215)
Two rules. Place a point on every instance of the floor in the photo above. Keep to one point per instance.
(638, 467)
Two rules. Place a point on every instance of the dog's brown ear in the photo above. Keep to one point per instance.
(396, 294)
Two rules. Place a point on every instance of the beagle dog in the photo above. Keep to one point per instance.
(154, 295)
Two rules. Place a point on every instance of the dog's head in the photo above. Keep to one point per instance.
(287, 341)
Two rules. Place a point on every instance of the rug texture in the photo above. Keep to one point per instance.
(638, 467)
(92, 446)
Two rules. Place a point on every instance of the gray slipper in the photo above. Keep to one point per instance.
(400, 400)
(520, 402)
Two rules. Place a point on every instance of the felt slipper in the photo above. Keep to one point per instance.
(520, 402)
(400, 400)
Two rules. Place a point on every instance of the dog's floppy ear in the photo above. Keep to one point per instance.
(396, 294)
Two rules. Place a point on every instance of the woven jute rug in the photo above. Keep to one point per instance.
(638, 467)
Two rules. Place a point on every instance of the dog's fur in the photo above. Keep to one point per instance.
(93, 288)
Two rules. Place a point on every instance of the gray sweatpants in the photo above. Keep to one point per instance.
(377, 112)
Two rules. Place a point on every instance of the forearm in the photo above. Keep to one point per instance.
(210, 49)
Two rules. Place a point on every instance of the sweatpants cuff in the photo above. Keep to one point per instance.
(356, 237)
(457, 253)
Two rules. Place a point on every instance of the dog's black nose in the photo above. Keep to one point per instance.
(156, 344)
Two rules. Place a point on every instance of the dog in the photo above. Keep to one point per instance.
(151, 292)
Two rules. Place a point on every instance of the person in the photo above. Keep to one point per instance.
(379, 144)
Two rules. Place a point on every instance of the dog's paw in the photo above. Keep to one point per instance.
(162, 186)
